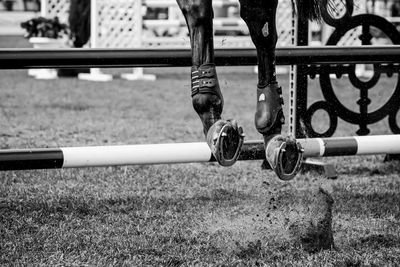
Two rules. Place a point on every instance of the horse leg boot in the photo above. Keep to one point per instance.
(224, 137)
(282, 153)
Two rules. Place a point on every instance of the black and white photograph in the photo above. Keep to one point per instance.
(200, 133)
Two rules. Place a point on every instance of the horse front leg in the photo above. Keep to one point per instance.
(224, 137)
(282, 153)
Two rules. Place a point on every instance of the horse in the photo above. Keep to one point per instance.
(225, 137)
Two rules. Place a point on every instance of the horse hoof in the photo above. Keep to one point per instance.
(285, 156)
(225, 139)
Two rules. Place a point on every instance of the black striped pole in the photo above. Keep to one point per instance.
(98, 156)
(118, 58)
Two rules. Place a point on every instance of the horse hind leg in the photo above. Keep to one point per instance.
(224, 137)
(282, 153)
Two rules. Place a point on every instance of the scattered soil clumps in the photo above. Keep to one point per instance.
(313, 232)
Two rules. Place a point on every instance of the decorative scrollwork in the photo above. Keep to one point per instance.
(366, 21)
(336, 108)
(394, 126)
(333, 119)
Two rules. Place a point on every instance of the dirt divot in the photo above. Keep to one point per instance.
(313, 230)
(248, 228)
(252, 228)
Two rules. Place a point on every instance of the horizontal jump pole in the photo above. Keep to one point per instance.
(217, 22)
(119, 58)
(172, 3)
(101, 156)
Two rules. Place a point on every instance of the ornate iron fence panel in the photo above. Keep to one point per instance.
(362, 28)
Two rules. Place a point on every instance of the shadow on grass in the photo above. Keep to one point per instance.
(376, 242)
(65, 106)
(378, 204)
(252, 250)
(159, 226)
(86, 206)
(378, 168)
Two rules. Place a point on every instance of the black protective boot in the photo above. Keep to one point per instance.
(269, 115)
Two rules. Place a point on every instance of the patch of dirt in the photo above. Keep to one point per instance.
(248, 228)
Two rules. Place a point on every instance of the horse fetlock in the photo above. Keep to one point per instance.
(269, 115)
(207, 103)
(209, 108)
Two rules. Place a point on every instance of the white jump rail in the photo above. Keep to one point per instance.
(101, 156)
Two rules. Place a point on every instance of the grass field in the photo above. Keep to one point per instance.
(175, 215)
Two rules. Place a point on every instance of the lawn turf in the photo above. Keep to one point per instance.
(173, 215)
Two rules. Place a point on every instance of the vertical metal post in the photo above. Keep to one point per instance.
(293, 78)
(93, 23)
(95, 73)
(301, 77)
